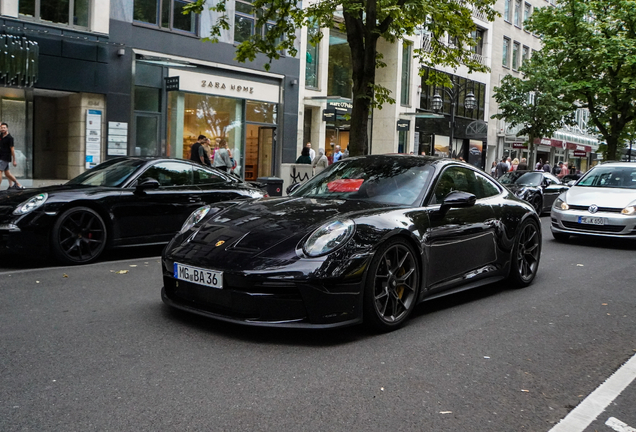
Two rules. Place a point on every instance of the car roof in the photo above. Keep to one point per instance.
(618, 164)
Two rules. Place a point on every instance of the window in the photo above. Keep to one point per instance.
(245, 18)
(464, 180)
(517, 15)
(478, 37)
(486, 187)
(311, 59)
(169, 173)
(525, 54)
(405, 98)
(505, 61)
(74, 13)
(515, 55)
(166, 14)
(339, 80)
(526, 12)
(507, 10)
(202, 176)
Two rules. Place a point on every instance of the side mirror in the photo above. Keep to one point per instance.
(291, 188)
(458, 199)
(571, 183)
(146, 184)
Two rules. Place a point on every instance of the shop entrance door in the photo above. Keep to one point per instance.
(259, 151)
(147, 142)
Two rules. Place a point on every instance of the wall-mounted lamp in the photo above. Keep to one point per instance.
(121, 52)
(294, 82)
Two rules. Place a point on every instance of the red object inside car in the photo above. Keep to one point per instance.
(345, 185)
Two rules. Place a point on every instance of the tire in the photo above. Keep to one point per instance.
(392, 286)
(537, 203)
(79, 236)
(526, 254)
(560, 236)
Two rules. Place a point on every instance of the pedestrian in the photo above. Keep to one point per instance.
(345, 154)
(312, 152)
(501, 168)
(509, 163)
(197, 152)
(515, 164)
(523, 164)
(337, 154)
(539, 165)
(222, 157)
(556, 169)
(304, 157)
(546, 167)
(563, 170)
(493, 169)
(423, 153)
(206, 147)
(321, 162)
(7, 156)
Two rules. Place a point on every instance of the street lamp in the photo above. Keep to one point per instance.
(470, 103)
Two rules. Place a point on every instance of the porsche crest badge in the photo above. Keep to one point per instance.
(219, 243)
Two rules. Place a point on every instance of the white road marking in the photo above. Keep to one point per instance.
(618, 425)
(592, 406)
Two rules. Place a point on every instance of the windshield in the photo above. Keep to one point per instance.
(522, 178)
(110, 174)
(610, 177)
(399, 180)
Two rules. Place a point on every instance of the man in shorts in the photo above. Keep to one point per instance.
(7, 155)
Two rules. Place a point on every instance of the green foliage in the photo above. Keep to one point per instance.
(591, 44)
(364, 22)
(534, 102)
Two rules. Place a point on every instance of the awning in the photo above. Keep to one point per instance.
(562, 144)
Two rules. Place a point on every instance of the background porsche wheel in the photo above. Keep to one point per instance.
(525, 254)
(537, 203)
(391, 287)
(79, 236)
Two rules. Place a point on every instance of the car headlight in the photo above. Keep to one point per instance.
(629, 210)
(329, 237)
(194, 218)
(559, 204)
(31, 204)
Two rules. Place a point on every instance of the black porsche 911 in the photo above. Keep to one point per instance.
(122, 202)
(539, 188)
(366, 239)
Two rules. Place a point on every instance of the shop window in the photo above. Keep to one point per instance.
(340, 70)
(311, 59)
(166, 14)
(73, 13)
(407, 57)
(245, 17)
(261, 112)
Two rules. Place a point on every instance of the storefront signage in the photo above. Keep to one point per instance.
(117, 138)
(93, 137)
(340, 106)
(563, 144)
(519, 145)
(403, 125)
(580, 153)
(328, 115)
(172, 83)
(225, 86)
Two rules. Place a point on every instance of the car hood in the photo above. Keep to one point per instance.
(602, 197)
(269, 227)
(15, 197)
(513, 187)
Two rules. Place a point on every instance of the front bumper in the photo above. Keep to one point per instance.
(615, 224)
(270, 301)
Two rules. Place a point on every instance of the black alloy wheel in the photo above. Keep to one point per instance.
(526, 254)
(537, 203)
(79, 236)
(392, 286)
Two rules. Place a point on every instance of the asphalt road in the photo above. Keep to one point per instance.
(91, 349)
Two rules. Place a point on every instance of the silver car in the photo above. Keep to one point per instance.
(602, 203)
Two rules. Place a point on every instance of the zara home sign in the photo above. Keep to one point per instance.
(226, 86)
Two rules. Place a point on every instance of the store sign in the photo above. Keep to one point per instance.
(93, 137)
(403, 125)
(519, 145)
(117, 139)
(580, 153)
(225, 86)
(172, 83)
(328, 115)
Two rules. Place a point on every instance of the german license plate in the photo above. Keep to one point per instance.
(198, 275)
(591, 220)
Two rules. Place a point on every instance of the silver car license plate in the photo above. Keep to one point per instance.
(197, 275)
(591, 220)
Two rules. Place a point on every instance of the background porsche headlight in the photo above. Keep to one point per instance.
(195, 218)
(31, 204)
(561, 205)
(630, 210)
(328, 237)
(521, 192)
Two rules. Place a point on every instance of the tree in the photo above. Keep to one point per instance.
(534, 102)
(592, 46)
(364, 22)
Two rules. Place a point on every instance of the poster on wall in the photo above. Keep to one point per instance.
(117, 138)
(93, 137)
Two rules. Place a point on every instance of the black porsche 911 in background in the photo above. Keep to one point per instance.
(539, 188)
(366, 239)
(122, 202)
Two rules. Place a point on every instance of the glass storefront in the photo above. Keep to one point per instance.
(16, 112)
(249, 127)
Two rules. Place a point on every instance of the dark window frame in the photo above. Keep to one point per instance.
(159, 24)
(37, 14)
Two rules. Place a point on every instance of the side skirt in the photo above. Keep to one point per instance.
(468, 286)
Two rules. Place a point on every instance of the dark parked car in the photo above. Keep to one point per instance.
(122, 202)
(539, 188)
(368, 238)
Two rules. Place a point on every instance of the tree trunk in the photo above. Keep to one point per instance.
(531, 152)
(612, 144)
